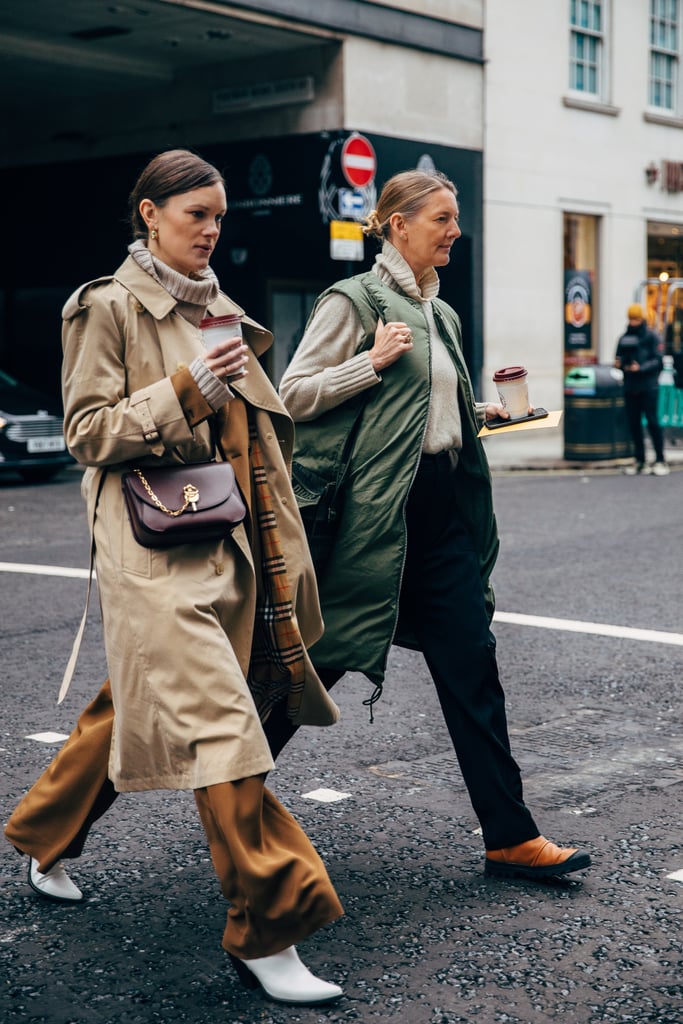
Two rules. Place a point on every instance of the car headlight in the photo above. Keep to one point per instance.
(3, 423)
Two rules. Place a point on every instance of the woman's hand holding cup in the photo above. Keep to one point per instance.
(228, 358)
(226, 353)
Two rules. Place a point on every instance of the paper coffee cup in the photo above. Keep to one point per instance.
(513, 390)
(221, 328)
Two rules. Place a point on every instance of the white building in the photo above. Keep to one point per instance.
(583, 172)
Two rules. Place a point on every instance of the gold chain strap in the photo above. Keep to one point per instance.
(190, 494)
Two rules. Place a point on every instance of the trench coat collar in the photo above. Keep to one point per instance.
(157, 301)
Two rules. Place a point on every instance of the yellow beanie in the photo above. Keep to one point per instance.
(635, 312)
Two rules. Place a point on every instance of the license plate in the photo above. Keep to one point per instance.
(45, 444)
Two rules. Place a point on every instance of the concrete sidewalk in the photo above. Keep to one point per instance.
(542, 450)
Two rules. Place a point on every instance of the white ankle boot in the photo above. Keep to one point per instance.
(55, 884)
(284, 978)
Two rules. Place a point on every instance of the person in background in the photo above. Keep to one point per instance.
(639, 358)
(203, 639)
(417, 538)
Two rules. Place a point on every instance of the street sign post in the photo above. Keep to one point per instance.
(346, 240)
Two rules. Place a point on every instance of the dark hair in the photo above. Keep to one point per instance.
(406, 193)
(169, 174)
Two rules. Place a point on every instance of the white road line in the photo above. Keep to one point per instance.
(656, 636)
(326, 796)
(48, 737)
(45, 570)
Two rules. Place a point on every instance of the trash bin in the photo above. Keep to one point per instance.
(595, 424)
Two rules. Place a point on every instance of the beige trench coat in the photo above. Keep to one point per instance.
(178, 622)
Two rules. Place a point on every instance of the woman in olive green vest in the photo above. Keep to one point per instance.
(381, 361)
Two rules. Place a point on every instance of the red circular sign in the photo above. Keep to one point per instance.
(358, 161)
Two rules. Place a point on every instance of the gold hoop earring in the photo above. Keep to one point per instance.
(154, 234)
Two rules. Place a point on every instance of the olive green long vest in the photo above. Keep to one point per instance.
(360, 588)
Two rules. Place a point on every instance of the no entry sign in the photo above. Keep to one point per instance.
(358, 161)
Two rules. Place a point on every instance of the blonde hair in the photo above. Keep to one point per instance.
(405, 193)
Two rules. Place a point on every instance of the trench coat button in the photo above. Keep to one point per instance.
(220, 568)
(269, 437)
(283, 500)
(139, 308)
(181, 366)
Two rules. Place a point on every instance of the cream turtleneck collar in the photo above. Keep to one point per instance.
(394, 271)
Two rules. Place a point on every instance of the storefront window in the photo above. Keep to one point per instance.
(580, 289)
(663, 291)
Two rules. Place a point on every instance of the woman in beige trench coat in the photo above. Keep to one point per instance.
(182, 624)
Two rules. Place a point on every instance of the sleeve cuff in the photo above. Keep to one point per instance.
(214, 391)
(480, 411)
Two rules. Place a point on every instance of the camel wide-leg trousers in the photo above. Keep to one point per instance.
(54, 818)
(277, 885)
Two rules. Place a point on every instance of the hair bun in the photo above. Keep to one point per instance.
(373, 225)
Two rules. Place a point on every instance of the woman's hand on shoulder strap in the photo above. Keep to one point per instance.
(392, 341)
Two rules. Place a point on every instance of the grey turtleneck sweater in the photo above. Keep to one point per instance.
(193, 296)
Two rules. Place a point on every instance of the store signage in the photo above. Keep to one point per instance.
(358, 161)
(672, 176)
(346, 240)
(263, 94)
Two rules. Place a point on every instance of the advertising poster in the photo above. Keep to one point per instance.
(578, 341)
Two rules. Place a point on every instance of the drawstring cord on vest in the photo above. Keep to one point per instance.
(372, 699)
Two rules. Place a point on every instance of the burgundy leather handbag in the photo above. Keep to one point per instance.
(182, 504)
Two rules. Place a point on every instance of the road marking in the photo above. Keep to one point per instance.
(325, 796)
(45, 570)
(47, 737)
(676, 876)
(656, 636)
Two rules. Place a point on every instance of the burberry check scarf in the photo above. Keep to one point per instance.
(277, 665)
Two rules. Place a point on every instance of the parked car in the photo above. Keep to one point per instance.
(31, 432)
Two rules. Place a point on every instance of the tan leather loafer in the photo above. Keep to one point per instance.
(537, 858)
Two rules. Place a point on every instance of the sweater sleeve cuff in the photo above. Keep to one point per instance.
(353, 376)
(480, 410)
(213, 390)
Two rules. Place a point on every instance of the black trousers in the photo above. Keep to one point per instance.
(443, 599)
(443, 596)
(639, 404)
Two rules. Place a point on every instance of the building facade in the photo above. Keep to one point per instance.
(583, 179)
(272, 92)
(560, 123)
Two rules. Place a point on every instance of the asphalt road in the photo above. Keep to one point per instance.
(596, 726)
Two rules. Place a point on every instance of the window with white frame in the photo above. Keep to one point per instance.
(664, 55)
(587, 47)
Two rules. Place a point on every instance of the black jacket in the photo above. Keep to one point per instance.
(641, 345)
